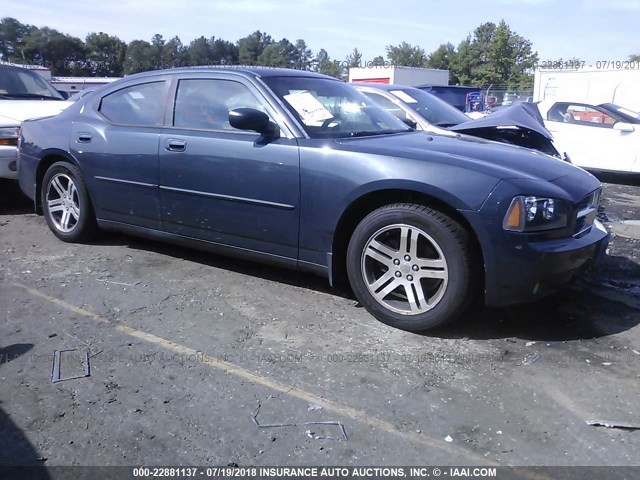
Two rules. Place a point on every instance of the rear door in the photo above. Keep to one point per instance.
(117, 147)
(223, 185)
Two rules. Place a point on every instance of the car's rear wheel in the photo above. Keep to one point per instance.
(66, 204)
(411, 266)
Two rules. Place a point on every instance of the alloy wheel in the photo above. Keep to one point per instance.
(63, 202)
(404, 269)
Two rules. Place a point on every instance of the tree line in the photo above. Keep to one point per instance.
(491, 54)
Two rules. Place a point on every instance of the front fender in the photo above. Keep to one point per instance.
(330, 184)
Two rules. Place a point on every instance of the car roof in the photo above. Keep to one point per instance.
(246, 70)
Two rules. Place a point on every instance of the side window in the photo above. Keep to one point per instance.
(137, 105)
(558, 112)
(204, 103)
(580, 114)
(387, 104)
(588, 115)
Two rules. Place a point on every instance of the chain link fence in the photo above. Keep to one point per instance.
(503, 95)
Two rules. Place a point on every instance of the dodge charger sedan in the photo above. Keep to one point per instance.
(303, 171)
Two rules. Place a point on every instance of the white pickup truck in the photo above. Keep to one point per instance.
(23, 95)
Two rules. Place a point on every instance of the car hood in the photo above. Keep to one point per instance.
(522, 115)
(500, 160)
(17, 111)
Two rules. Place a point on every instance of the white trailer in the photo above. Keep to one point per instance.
(408, 76)
(589, 85)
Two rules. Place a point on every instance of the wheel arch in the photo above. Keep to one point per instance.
(49, 157)
(370, 201)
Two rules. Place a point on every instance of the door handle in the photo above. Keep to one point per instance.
(84, 138)
(175, 145)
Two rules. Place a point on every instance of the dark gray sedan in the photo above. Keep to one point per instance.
(303, 171)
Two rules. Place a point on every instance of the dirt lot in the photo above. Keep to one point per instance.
(185, 345)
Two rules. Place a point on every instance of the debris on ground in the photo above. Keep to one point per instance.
(531, 359)
(76, 339)
(528, 344)
(111, 282)
(55, 371)
(309, 433)
(313, 407)
(448, 439)
(613, 424)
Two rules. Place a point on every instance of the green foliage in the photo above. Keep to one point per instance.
(442, 57)
(251, 47)
(12, 39)
(138, 57)
(303, 55)
(323, 64)
(354, 59)
(105, 55)
(492, 54)
(634, 58)
(62, 53)
(224, 52)
(406, 55)
(282, 54)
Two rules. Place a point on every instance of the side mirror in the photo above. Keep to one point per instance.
(623, 127)
(252, 119)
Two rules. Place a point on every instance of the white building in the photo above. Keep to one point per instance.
(72, 85)
(589, 85)
(409, 76)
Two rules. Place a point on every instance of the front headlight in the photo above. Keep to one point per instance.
(9, 136)
(534, 214)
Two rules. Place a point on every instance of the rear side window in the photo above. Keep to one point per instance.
(136, 105)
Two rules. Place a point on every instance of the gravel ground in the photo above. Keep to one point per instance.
(184, 347)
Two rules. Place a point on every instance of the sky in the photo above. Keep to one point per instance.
(592, 30)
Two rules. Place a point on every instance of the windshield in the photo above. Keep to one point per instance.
(18, 83)
(431, 108)
(332, 109)
(625, 114)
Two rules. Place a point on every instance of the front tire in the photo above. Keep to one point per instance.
(66, 204)
(411, 266)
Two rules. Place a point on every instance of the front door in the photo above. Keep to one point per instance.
(223, 185)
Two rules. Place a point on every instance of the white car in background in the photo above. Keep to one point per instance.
(23, 95)
(603, 137)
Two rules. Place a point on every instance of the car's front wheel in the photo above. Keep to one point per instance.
(66, 204)
(411, 266)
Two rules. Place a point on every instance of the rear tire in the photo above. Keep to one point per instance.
(411, 266)
(66, 204)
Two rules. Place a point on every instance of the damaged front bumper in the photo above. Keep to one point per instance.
(536, 269)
